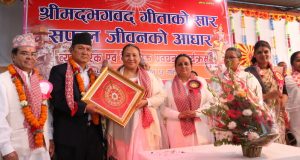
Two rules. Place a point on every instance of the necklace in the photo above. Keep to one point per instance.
(92, 77)
(36, 123)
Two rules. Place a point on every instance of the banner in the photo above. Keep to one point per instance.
(162, 29)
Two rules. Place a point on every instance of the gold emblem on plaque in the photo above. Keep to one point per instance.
(114, 95)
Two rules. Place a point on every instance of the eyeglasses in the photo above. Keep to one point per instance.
(28, 54)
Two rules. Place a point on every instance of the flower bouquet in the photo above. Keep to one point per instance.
(238, 116)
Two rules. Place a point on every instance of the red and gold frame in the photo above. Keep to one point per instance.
(114, 95)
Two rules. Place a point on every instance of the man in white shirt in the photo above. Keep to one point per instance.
(25, 130)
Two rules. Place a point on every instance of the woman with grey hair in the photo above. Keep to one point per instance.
(232, 60)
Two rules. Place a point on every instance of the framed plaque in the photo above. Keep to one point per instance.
(114, 95)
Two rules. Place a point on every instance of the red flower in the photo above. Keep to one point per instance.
(234, 114)
(229, 82)
(220, 125)
(227, 86)
(258, 118)
(13, 75)
(236, 104)
(236, 140)
(230, 97)
(90, 70)
(76, 70)
(247, 13)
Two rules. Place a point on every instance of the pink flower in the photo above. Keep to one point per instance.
(247, 112)
(252, 136)
(231, 125)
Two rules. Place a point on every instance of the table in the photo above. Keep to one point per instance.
(224, 152)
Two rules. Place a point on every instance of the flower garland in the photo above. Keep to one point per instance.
(288, 39)
(265, 15)
(273, 40)
(276, 75)
(232, 29)
(244, 37)
(257, 29)
(7, 2)
(92, 76)
(36, 124)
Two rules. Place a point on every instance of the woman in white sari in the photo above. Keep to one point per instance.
(187, 96)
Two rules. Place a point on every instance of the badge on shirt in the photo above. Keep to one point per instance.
(194, 85)
(279, 77)
(46, 89)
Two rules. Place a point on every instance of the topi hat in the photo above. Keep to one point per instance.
(82, 38)
(26, 39)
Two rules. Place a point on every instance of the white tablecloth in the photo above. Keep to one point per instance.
(224, 152)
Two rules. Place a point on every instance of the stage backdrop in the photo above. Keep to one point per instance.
(162, 29)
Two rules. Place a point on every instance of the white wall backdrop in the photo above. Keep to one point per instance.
(266, 34)
(11, 19)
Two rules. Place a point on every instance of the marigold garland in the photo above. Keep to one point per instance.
(265, 15)
(92, 76)
(37, 124)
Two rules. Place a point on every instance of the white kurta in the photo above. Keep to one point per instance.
(170, 112)
(13, 135)
(127, 143)
(293, 106)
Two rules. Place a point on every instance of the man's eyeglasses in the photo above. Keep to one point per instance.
(29, 54)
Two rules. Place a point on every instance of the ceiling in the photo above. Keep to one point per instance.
(282, 5)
